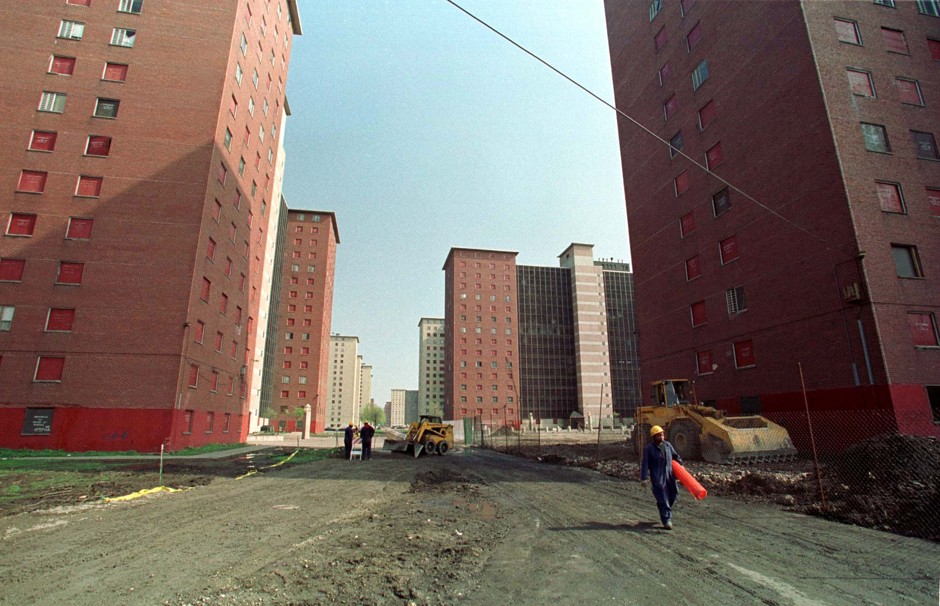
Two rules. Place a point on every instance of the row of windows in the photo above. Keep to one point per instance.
(892, 200)
(894, 40)
(75, 30)
(199, 337)
(57, 319)
(876, 140)
(34, 182)
(209, 427)
(69, 273)
(24, 225)
(744, 357)
(124, 6)
(212, 380)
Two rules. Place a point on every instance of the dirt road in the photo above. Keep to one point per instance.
(472, 527)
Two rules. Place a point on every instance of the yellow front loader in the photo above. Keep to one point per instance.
(703, 432)
(429, 435)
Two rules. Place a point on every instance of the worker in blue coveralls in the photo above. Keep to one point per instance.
(657, 466)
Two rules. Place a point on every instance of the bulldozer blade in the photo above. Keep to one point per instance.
(418, 448)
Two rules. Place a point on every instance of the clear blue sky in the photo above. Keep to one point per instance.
(423, 130)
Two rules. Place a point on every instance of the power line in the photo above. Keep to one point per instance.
(638, 124)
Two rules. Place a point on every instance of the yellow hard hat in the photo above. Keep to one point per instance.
(655, 429)
(351, 424)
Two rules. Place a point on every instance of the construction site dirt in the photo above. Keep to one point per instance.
(471, 527)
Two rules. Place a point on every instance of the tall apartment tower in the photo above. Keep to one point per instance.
(411, 406)
(431, 366)
(480, 344)
(365, 384)
(302, 367)
(344, 381)
(800, 224)
(577, 341)
(135, 199)
(395, 408)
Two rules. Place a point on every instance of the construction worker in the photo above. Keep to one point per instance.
(366, 434)
(657, 466)
(348, 436)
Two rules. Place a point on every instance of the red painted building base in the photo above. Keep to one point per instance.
(839, 418)
(109, 429)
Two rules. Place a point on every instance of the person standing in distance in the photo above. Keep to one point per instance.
(348, 436)
(657, 466)
(366, 434)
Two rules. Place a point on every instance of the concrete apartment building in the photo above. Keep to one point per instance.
(799, 224)
(567, 334)
(345, 375)
(302, 376)
(365, 384)
(141, 165)
(411, 406)
(431, 366)
(395, 408)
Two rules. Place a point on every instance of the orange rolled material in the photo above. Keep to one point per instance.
(691, 484)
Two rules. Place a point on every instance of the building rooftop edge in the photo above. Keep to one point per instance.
(319, 212)
(295, 17)
(453, 248)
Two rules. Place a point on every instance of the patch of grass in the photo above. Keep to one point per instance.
(304, 455)
(24, 453)
(37, 485)
(195, 450)
(61, 464)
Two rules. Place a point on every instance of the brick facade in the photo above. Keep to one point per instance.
(776, 123)
(139, 311)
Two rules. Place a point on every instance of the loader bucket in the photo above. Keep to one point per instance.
(747, 439)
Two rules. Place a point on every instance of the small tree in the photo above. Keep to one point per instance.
(299, 415)
(373, 414)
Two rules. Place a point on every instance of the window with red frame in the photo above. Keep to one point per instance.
(694, 36)
(213, 386)
(934, 46)
(699, 316)
(889, 196)
(79, 2)
(744, 354)
(32, 181)
(70, 273)
(703, 362)
(670, 106)
(682, 182)
(88, 187)
(210, 249)
(693, 268)
(223, 304)
(894, 40)
(21, 224)
(193, 376)
(42, 140)
(660, 39)
(664, 72)
(11, 270)
(98, 145)
(714, 156)
(218, 342)
(847, 31)
(923, 329)
(206, 289)
(933, 201)
(115, 72)
(686, 224)
(860, 83)
(79, 228)
(63, 66)
(200, 332)
(706, 114)
(60, 320)
(49, 368)
(728, 249)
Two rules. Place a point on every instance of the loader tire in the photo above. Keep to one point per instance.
(442, 448)
(684, 436)
(430, 447)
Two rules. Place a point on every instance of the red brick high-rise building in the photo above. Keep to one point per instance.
(136, 184)
(481, 347)
(800, 224)
(302, 361)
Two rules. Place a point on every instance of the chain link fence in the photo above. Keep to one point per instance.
(852, 466)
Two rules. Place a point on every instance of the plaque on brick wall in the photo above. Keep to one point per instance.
(38, 422)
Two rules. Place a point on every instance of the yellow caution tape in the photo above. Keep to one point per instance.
(143, 493)
(254, 471)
